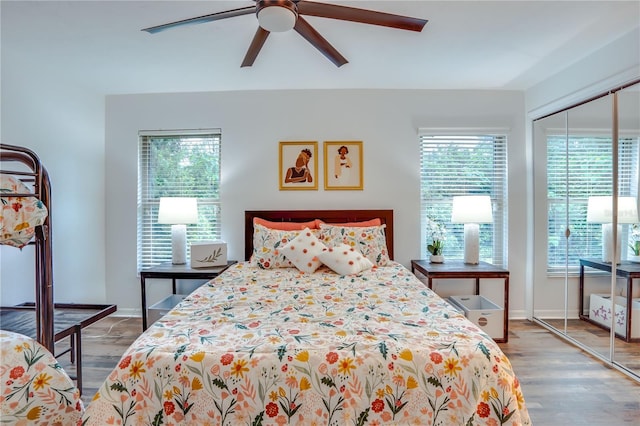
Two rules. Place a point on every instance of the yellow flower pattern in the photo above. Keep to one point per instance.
(19, 215)
(33, 389)
(274, 347)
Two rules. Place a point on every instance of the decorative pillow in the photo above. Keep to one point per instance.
(372, 222)
(286, 226)
(267, 247)
(19, 216)
(369, 240)
(303, 251)
(345, 260)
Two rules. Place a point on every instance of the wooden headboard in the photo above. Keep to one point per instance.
(329, 216)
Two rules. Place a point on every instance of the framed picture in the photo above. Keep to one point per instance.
(343, 166)
(299, 165)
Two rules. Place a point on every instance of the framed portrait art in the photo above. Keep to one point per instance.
(299, 165)
(343, 167)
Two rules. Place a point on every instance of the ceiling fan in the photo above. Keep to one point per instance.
(284, 15)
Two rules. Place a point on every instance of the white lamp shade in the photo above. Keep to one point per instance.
(277, 17)
(472, 209)
(600, 208)
(178, 210)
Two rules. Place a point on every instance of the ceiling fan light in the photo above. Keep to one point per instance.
(277, 18)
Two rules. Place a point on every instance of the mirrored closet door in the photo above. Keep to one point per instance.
(627, 103)
(586, 196)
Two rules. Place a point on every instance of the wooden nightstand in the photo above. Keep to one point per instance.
(174, 272)
(628, 270)
(453, 269)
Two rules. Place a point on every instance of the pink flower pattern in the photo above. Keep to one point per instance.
(279, 347)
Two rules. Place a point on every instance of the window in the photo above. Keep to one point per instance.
(465, 164)
(176, 164)
(586, 171)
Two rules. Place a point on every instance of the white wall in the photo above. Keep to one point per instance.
(64, 125)
(606, 68)
(253, 123)
(94, 207)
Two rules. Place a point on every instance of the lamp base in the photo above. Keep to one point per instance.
(471, 243)
(179, 244)
(607, 243)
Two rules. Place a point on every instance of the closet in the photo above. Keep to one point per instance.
(586, 178)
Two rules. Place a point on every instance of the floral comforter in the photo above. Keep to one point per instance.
(34, 388)
(273, 347)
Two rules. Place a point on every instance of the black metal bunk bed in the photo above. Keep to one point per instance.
(44, 320)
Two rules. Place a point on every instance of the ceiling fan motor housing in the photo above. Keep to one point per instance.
(276, 15)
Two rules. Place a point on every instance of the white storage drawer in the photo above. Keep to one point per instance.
(600, 312)
(482, 312)
(160, 309)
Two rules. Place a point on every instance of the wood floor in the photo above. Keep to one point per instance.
(562, 385)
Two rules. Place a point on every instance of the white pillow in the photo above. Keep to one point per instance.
(345, 260)
(303, 251)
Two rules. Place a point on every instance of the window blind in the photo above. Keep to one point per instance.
(578, 167)
(469, 164)
(176, 164)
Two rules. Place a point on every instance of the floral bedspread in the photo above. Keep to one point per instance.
(274, 347)
(34, 388)
(19, 216)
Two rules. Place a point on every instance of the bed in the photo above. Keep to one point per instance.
(25, 220)
(270, 343)
(34, 389)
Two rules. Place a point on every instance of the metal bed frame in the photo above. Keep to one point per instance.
(44, 320)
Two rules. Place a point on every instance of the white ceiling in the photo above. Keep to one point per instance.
(465, 45)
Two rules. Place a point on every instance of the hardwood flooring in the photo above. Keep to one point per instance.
(562, 384)
(599, 339)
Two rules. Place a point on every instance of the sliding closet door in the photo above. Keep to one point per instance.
(551, 223)
(627, 354)
(590, 174)
(574, 162)
(586, 167)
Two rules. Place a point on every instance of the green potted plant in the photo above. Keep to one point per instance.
(436, 235)
(634, 245)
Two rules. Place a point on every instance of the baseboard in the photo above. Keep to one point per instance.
(127, 312)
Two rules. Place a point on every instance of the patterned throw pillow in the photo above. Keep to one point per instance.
(267, 247)
(369, 240)
(19, 216)
(303, 251)
(345, 260)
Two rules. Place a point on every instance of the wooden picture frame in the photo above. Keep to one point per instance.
(298, 165)
(343, 165)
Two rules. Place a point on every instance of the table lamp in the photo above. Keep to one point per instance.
(472, 210)
(178, 212)
(599, 209)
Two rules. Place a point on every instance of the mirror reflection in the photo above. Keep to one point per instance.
(626, 351)
(579, 244)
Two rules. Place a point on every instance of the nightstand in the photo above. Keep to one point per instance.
(175, 272)
(628, 270)
(453, 269)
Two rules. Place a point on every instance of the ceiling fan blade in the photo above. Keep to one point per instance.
(201, 19)
(364, 16)
(256, 44)
(312, 36)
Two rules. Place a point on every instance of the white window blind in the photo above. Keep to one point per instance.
(468, 164)
(586, 171)
(176, 164)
